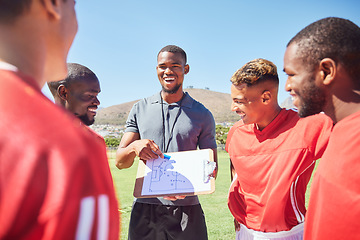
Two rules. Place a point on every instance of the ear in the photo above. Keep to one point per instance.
(62, 92)
(266, 97)
(187, 68)
(53, 8)
(327, 68)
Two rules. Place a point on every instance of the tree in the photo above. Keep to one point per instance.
(221, 134)
(112, 141)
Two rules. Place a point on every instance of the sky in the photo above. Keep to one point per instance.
(119, 39)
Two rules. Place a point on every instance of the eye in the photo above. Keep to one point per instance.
(238, 101)
(88, 97)
(162, 67)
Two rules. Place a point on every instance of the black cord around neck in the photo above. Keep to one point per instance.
(166, 146)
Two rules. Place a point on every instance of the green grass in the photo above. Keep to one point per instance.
(217, 215)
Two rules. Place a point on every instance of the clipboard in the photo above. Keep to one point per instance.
(184, 173)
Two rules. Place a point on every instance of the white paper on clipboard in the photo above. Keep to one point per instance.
(185, 173)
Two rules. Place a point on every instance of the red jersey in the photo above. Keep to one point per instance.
(334, 206)
(273, 168)
(55, 181)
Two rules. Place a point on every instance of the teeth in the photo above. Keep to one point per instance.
(241, 115)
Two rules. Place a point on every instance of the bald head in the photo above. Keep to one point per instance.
(78, 92)
(331, 37)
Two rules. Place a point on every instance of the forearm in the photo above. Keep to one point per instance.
(125, 157)
(216, 161)
(131, 146)
(232, 171)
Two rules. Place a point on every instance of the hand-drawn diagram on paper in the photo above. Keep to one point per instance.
(181, 172)
(164, 174)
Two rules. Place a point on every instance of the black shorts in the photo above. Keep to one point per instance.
(160, 222)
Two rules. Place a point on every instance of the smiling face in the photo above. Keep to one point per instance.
(171, 70)
(247, 103)
(301, 83)
(82, 99)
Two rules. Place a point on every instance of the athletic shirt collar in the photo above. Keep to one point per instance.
(273, 124)
(186, 102)
(4, 66)
(8, 66)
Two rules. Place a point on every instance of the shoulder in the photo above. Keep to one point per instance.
(237, 128)
(348, 125)
(191, 103)
(147, 101)
(317, 120)
(33, 119)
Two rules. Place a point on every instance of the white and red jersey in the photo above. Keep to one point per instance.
(55, 181)
(273, 168)
(334, 206)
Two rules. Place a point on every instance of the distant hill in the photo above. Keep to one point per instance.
(218, 103)
(287, 103)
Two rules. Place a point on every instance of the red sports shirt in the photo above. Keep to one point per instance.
(334, 206)
(55, 181)
(273, 168)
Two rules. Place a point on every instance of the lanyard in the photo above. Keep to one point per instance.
(166, 145)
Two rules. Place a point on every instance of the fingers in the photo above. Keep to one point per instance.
(174, 198)
(171, 198)
(155, 148)
(237, 225)
(147, 149)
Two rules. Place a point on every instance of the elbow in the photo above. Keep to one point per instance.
(119, 163)
(122, 161)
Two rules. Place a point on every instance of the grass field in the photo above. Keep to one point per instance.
(218, 218)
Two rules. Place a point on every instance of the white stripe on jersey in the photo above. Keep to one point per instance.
(103, 213)
(86, 218)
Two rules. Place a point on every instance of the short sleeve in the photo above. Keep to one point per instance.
(131, 122)
(321, 126)
(207, 136)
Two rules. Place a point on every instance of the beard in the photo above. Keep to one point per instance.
(86, 120)
(312, 100)
(173, 90)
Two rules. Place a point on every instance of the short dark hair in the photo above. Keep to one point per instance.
(75, 72)
(256, 71)
(174, 49)
(10, 9)
(332, 37)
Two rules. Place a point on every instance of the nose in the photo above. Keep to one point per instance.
(96, 101)
(234, 107)
(288, 85)
(168, 70)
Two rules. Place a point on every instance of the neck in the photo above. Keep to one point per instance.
(27, 54)
(341, 107)
(172, 97)
(269, 117)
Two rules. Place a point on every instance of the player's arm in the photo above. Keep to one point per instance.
(131, 146)
(232, 174)
(216, 161)
(232, 171)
